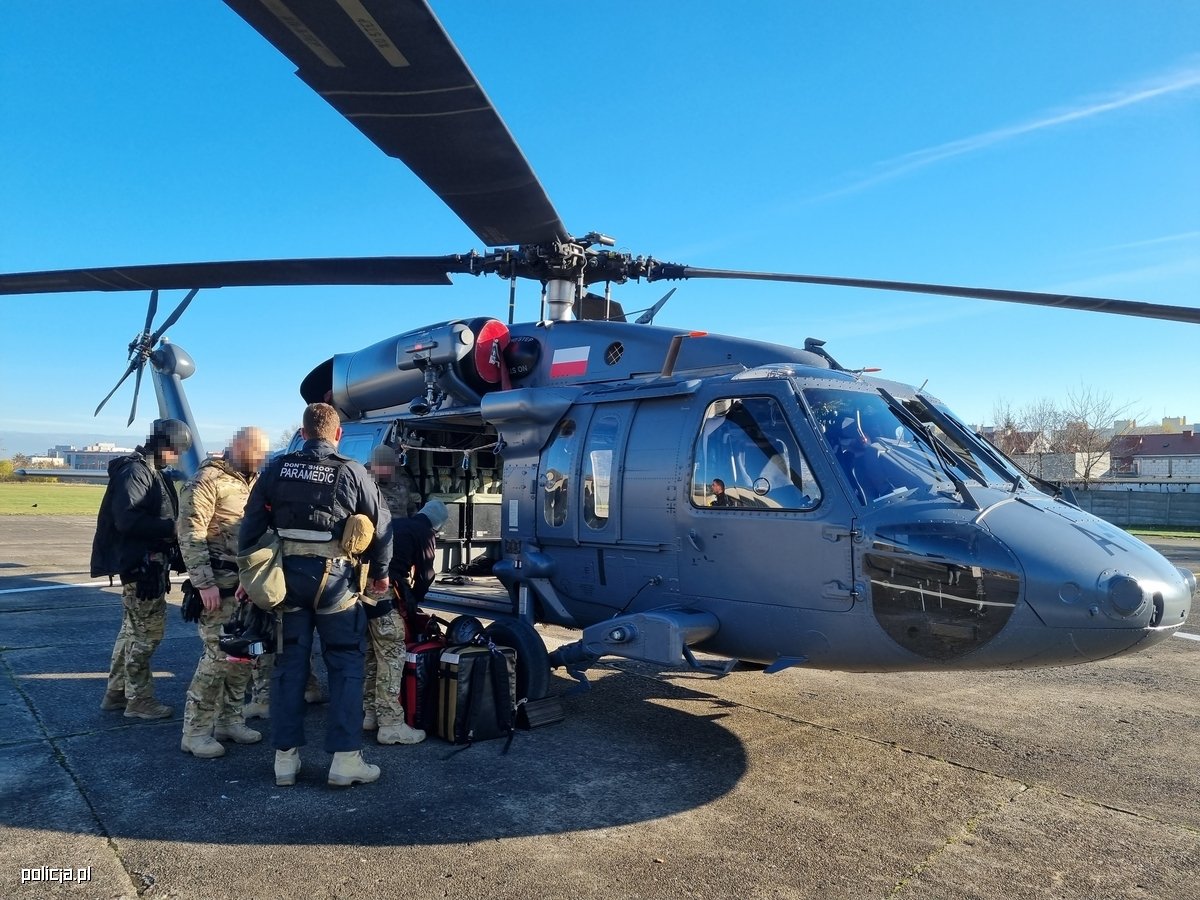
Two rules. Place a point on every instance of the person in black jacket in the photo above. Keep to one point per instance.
(135, 539)
(308, 497)
(414, 551)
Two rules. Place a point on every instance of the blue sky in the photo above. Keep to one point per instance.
(1026, 145)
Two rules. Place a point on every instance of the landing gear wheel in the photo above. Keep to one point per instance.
(533, 663)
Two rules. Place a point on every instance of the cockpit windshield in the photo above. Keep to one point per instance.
(946, 426)
(889, 449)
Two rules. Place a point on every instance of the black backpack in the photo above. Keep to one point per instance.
(106, 545)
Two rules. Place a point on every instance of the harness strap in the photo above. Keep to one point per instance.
(341, 606)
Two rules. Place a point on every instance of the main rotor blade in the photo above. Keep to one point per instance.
(133, 365)
(393, 72)
(173, 317)
(1066, 301)
(241, 273)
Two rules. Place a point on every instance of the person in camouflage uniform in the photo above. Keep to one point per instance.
(135, 539)
(383, 711)
(210, 515)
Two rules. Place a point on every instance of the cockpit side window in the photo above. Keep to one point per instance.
(557, 463)
(746, 457)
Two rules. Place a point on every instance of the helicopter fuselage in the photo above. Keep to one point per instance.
(857, 524)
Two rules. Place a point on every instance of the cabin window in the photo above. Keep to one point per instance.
(597, 470)
(557, 464)
(747, 457)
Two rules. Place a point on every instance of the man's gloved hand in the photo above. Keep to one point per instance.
(192, 603)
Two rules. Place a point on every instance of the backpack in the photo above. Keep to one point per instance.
(106, 545)
(260, 571)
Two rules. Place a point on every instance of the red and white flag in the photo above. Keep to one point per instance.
(569, 361)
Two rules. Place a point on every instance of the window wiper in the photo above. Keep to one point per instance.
(918, 428)
(952, 426)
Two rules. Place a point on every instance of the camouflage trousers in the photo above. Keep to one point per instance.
(385, 666)
(142, 627)
(218, 688)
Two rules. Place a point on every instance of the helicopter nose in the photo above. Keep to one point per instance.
(1103, 587)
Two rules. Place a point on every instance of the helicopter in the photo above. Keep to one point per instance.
(665, 492)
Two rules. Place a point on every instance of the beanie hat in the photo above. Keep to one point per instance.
(435, 511)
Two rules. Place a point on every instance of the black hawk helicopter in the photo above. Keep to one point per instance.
(663, 491)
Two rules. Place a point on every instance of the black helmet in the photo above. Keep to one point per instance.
(170, 434)
(463, 630)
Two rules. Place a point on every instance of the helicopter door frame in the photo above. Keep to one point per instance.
(728, 558)
(559, 498)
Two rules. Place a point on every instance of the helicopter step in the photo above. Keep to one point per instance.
(660, 636)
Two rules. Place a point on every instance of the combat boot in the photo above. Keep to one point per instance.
(113, 700)
(257, 710)
(287, 766)
(202, 746)
(349, 768)
(399, 734)
(237, 733)
(369, 721)
(147, 708)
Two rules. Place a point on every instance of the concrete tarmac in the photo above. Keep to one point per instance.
(1080, 782)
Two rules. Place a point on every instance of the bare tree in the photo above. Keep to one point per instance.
(1083, 426)
(285, 437)
(1006, 433)
(1088, 427)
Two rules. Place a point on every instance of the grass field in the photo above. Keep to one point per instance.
(25, 499)
(48, 499)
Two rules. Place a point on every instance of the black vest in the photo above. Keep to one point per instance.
(303, 493)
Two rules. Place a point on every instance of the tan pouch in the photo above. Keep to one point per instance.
(260, 571)
(358, 536)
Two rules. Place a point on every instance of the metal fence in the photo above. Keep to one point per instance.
(1142, 507)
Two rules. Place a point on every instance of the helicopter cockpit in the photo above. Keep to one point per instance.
(888, 449)
(747, 445)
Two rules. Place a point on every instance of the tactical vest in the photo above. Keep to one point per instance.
(302, 496)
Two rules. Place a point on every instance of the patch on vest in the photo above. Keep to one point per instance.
(312, 473)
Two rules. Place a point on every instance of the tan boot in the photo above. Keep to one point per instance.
(369, 721)
(399, 734)
(201, 746)
(113, 700)
(237, 733)
(287, 766)
(257, 710)
(349, 768)
(147, 708)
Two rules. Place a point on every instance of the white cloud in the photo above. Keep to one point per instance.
(1180, 80)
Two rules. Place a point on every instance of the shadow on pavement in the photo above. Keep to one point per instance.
(631, 750)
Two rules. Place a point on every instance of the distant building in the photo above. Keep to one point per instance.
(1157, 456)
(1064, 466)
(1011, 441)
(91, 457)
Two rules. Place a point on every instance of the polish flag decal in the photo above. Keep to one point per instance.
(569, 361)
